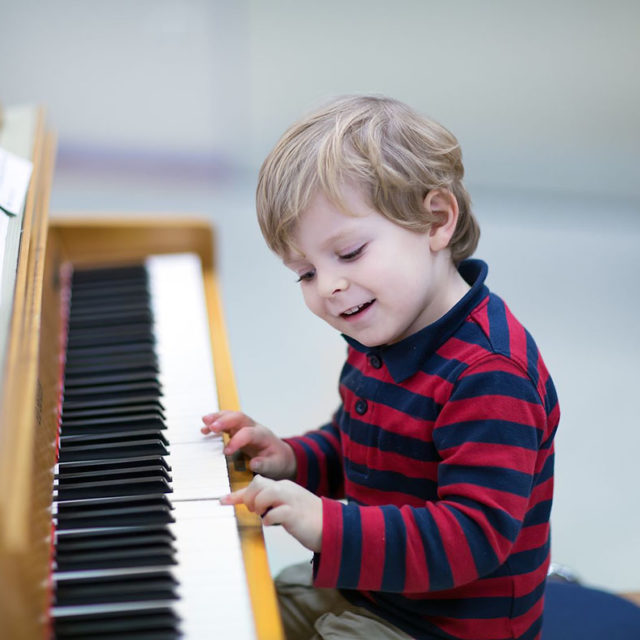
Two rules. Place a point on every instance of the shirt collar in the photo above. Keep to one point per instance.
(404, 358)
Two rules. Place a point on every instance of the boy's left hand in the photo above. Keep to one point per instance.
(283, 502)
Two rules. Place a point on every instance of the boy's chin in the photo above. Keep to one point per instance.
(369, 341)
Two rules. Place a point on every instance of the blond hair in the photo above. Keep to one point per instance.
(386, 148)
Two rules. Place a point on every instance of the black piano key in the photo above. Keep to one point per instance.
(104, 488)
(117, 466)
(114, 336)
(67, 541)
(89, 318)
(143, 362)
(117, 392)
(149, 555)
(92, 352)
(69, 476)
(111, 450)
(120, 511)
(155, 585)
(125, 272)
(113, 424)
(130, 410)
(89, 380)
(97, 295)
(112, 477)
(120, 436)
(115, 401)
(156, 622)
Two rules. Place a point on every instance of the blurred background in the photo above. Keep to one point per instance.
(168, 107)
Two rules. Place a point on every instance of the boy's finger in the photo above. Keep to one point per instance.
(235, 497)
(240, 439)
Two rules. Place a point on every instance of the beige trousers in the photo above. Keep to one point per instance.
(309, 613)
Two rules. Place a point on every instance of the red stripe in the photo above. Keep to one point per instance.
(517, 338)
(302, 472)
(330, 558)
(532, 537)
(394, 420)
(416, 565)
(497, 363)
(484, 454)
(459, 556)
(367, 496)
(509, 502)
(492, 407)
(372, 560)
(465, 352)
(439, 388)
(380, 460)
(474, 628)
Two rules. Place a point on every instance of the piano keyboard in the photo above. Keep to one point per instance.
(142, 548)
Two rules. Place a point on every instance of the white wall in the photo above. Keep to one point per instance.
(170, 106)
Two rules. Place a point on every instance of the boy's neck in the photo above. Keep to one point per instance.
(452, 287)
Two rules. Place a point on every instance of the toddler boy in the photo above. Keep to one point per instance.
(442, 446)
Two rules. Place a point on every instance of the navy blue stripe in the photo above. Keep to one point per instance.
(333, 463)
(394, 609)
(351, 557)
(440, 576)
(395, 549)
(496, 383)
(546, 472)
(523, 603)
(448, 369)
(550, 396)
(472, 333)
(482, 608)
(504, 523)
(387, 481)
(524, 561)
(532, 359)
(391, 395)
(532, 632)
(313, 468)
(498, 326)
(538, 514)
(483, 554)
(503, 432)
(498, 478)
(371, 435)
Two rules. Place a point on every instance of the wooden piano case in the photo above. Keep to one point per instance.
(31, 389)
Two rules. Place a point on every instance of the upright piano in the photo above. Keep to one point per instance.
(113, 346)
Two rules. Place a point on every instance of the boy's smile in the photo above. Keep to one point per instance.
(368, 277)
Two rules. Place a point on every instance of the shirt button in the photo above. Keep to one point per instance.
(375, 360)
(361, 407)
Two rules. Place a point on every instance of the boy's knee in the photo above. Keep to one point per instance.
(353, 625)
(294, 576)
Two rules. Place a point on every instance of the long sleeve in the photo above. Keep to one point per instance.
(319, 459)
(490, 436)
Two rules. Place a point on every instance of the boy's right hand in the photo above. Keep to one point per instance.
(269, 455)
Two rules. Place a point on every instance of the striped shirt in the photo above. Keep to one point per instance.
(443, 449)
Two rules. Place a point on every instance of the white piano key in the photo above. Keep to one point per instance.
(214, 599)
(196, 470)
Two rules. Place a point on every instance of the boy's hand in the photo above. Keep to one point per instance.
(269, 455)
(284, 502)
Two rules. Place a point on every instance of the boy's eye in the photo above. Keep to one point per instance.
(352, 254)
(304, 277)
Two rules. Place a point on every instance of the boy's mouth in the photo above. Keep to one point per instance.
(359, 308)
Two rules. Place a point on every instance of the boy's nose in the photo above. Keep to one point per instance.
(332, 284)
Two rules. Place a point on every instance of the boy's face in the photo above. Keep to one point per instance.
(366, 276)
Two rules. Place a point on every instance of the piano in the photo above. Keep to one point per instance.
(112, 346)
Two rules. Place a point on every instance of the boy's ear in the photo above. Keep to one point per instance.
(444, 207)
